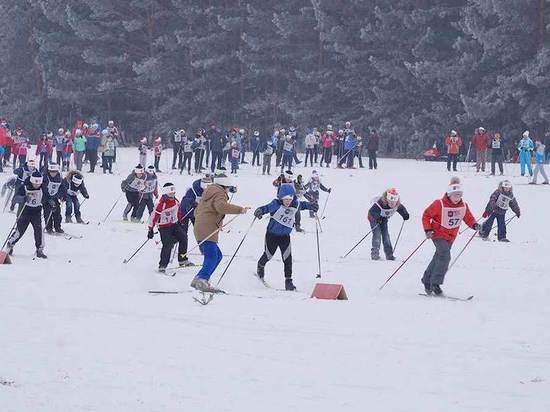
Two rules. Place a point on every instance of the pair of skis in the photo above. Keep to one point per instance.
(453, 298)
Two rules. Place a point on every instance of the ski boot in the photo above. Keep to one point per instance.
(79, 220)
(375, 256)
(436, 289)
(49, 231)
(186, 263)
(204, 286)
(68, 219)
(125, 218)
(9, 249)
(299, 229)
(504, 240)
(134, 220)
(260, 272)
(162, 269)
(390, 257)
(59, 230)
(289, 285)
(40, 254)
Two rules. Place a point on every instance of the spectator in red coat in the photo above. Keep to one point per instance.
(481, 142)
(43, 150)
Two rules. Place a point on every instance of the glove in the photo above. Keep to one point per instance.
(476, 227)
(86, 196)
(485, 214)
(406, 217)
(314, 207)
(429, 234)
(150, 233)
(258, 213)
(330, 189)
(517, 214)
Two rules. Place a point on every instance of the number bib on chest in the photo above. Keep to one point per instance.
(34, 198)
(138, 184)
(287, 147)
(268, 151)
(169, 215)
(451, 217)
(285, 216)
(235, 154)
(150, 185)
(503, 201)
(53, 188)
(187, 148)
(495, 144)
(387, 213)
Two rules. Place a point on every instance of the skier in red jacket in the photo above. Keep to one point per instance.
(441, 221)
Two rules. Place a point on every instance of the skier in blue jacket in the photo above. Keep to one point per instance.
(526, 147)
(282, 211)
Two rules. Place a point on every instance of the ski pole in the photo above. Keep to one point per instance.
(236, 250)
(357, 244)
(402, 264)
(325, 205)
(112, 208)
(8, 198)
(462, 251)
(13, 227)
(318, 247)
(318, 222)
(136, 252)
(398, 236)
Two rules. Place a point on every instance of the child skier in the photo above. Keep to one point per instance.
(51, 185)
(187, 155)
(540, 156)
(22, 173)
(167, 215)
(150, 189)
(235, 157)
(71, 186)
(157, 150)
(441, 222)
(189, 203)
(133, 186)
(288, 177)
(30, 195)
(283, 212)
(142, 149)
(288, 153)
(500, 201)
(312, 187)
(379, 214)
(209, 216)
(268, 152)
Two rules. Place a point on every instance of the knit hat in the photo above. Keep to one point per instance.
(286, 191)
(288, 175)
(505, 184)
(36, 178)
(454, 187)
(392, 195)
(53, 167)
(151, 169)
(77, 179)
(139, 169)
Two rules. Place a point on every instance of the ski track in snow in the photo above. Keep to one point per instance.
(79, 332)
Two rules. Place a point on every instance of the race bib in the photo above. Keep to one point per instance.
(451, 217)
(268, 151)
(387, 213)
(33, 198)
(187, 148)
(503, 201)
(138, 184)
(53, 188)
(169, 215)
(235, 154)
(285, 216)
(287, 147)
(495, 144)
(150, 185)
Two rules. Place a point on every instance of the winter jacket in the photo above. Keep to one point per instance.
(210, 212)
(79, 144)
(540, 154)
(70, 189)
(52, 187)
(22, 173)
(310, 141)
(373, 142)
(191, 199)
(108, 147)
(167, 213)
(43, 146)
(157, 149)
(500, 201)
(481, 141)
(526, 145)
(93, 141)
(444, 217)
(29, 195)
(453, 144)
(497, 146)
(282, 218)
(59, 141)
(217, 141)
(68, 146)
(327, 139)
(350, 142)
(314, 185)
(381, 211)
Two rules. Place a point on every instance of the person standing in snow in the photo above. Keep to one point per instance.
(310, 146)
(256, 146)
(453, 142)
(441, 222)
(157, 151)
(209, 216)
(79, 148)
(481, 140)
(30, 195)
(267, 153)
(312, 190)
(51, 185)
(379, 215)
(167, 215)
(500, 201)
(177, 148)
(142, 149)
(497, 154)
(327, 139)
(525, 148)
(373, 144)
(282, 210)
(540, 157)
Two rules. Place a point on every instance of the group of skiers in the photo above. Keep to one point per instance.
(482, 142)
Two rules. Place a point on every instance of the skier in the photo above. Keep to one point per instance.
(288, 153)
(142, 149)
(500, 201)
(540, 156)
(310, 142)
(282, 210)
(157, 150)
(441, 222)
(167, 215)
(176, 148)
(288, 177)
(268, 152)
(497, 153)
(525, 148)
(72, 185)
(188, 204)
(22, 173)
(51, 185)
(187, 155)
(150, 189)
(453, 142)
(312, 189)
(235, 157)
(209, 216)
(134, 186)
(59, 141)
(30, 195)
(379, 214)
(255, 146)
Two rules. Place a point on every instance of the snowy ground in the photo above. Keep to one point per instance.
(79, 332)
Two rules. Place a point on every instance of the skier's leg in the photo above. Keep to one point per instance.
(376, 238)
(167, 239)
(501, 227)
(441, 263)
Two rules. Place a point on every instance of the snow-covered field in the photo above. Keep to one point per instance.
(79, 331)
